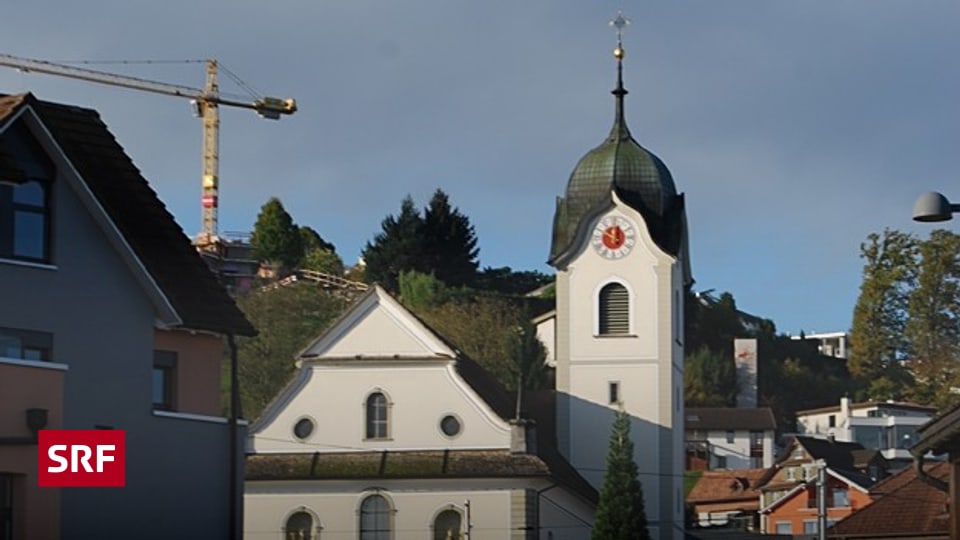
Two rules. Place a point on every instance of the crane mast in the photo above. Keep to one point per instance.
(207, 102)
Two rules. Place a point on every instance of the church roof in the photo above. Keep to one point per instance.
(638, 177)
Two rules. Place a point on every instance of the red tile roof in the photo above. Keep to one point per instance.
(143, 220)
(908, 506)
(724, 486)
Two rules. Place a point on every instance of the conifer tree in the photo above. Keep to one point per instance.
(450, 243)
(276, 239)
(620, 513)
(398, 247)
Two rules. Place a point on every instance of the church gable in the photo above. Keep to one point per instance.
(378, 327)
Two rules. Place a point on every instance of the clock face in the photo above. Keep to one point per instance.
(614, 237)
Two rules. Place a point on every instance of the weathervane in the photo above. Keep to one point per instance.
(620, 22)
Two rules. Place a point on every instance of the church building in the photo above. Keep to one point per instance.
(387, 431)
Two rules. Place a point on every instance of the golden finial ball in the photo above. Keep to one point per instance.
(618, 53)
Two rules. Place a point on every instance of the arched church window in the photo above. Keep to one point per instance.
(614, 310)
(377, 421)
(299, 527)
(447, 525)
(375, 518)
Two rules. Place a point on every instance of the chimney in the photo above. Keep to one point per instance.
(844, 408)
(523, 436)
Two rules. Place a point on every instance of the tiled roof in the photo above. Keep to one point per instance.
(723, 486)
(134, 208)
(724, 418)
(909, 506)
(402, 464)
(941, 434)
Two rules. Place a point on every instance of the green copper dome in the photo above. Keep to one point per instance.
(620, 165)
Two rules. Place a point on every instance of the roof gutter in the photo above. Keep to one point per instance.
(926, 478)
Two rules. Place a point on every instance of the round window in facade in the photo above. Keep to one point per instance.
(303, 428)
(450, 425)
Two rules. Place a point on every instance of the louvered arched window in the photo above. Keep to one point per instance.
(377, 420)
(614, 310)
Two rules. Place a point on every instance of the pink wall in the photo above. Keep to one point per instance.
(23, 387)
(197, 387)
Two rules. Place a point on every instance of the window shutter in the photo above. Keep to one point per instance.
(614, 310)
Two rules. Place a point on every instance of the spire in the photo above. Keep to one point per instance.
(619, 130)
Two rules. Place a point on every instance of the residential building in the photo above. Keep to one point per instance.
(729, 438)
(108, 320)
(729, 499)
(941, 436)
(835, 344)
(789, 488)
(354, 446)
(887, 426)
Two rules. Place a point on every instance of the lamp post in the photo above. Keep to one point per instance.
(933, 206)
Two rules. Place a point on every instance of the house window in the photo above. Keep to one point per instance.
(809, 526)
(374, 518)
(730, 436)
(164, 380)
(614, 310)
(25, 344)
(447, 525)
(614, 392)
(832, 420)
(721, 462)
(377, 416)
(840, 497)
(784, 527)
(299, 527)
(25, 181)
(6, 506)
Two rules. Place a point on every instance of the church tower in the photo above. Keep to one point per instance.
(620, 251)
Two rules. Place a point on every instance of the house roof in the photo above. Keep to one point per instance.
(400, 464)
(908, 506)
(903, 405)
(724, 418)
(841, 457)
(133, 207)
(726, 486)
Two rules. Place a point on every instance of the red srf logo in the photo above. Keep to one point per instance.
(82, 458)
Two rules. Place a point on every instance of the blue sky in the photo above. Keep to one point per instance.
(794, 128)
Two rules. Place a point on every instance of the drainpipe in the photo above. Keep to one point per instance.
(926, 478)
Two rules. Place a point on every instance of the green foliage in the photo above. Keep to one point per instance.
(529, 357)
(620, 512)
(397, 248)
(441, 242)
(322, 260)
(276, 239)
(421, 292)
(933, 326)
(505, 280)
(710, 379)
(311, 240)
(287, 318)
(877, 339)
(449, 242)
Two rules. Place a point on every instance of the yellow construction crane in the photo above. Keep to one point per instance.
(207, 102)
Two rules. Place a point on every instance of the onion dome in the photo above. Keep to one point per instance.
(619, 165)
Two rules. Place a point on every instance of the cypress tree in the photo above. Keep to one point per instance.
(620, 513)
(276, 238)
(450, 243)
(398, 247)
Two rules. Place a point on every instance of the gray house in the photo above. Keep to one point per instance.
(108, 320)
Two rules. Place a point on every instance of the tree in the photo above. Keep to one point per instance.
(933, 325)
(397, 248)
(505, 280)
(710, 379)
(310, 239)
(322, 260)
(529, 357)
(450, 243)
(276, 239)
(877, 338)
(620, 512)
(287, 318)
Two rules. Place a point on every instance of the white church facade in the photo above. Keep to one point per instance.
(388, 432)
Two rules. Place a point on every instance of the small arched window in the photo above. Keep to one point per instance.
(299, 527)
(614, 310)
(375, 518)
(447, 525)
(377, 421)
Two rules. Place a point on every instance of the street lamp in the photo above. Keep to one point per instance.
(933, 206)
